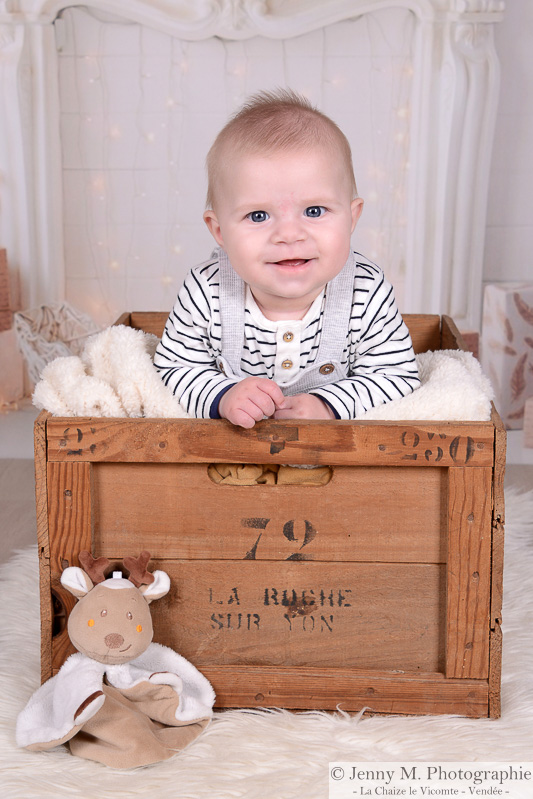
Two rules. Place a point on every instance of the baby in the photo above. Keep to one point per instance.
(284, 320)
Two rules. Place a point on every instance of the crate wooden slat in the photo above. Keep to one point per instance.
(299, 442)
(379, 589)
(497, 561)
(347, 689)
(414, 537)
(468, 579)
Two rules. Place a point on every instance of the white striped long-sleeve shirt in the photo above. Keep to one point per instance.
(377, 354)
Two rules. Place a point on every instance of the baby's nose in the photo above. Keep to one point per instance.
(113, 640)
(288, 230)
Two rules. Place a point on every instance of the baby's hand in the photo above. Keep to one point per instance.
(250, 400)
(304, 406)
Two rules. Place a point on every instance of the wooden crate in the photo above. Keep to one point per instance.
(381, 589)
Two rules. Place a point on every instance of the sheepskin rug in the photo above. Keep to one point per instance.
(269, 754)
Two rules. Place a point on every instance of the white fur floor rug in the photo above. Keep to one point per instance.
(269, 754)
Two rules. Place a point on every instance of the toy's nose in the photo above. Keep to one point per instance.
(113, 640)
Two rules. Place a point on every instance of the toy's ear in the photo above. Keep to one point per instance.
(76, 581)
(158, 588)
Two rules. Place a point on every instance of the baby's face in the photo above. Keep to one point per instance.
(285, 220)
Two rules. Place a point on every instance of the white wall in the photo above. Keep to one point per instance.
(509, 239)
(139, 110)
(149, 277)
(442, 170)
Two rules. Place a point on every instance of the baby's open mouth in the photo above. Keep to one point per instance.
(293, 262)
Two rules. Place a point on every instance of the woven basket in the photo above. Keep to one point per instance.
(49, 332)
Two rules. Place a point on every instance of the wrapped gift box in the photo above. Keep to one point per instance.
(11, 364)
(507, 347)
(11, 369)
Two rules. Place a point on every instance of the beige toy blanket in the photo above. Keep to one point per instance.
(114, 376)
(150, 708)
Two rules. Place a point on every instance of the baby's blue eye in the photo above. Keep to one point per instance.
(258, 216)
(314, 211)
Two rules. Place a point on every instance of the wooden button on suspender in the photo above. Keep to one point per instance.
(326, 369)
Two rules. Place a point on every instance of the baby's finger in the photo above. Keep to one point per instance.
(286, 413)
(274, 391)
(247, 414)
(241, 418)
(264, 402)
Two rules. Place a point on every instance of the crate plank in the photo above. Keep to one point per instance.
(498, 524)
(451, 338)
(216, 440)
(195, 518)
(425, 329)
(43, 543)
(367, 615)
(347, 689)
(70, 525)
(69, 508)
(149, 321)
(468, 579)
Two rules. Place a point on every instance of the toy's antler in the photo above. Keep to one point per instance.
(94, 567)
(138, 574)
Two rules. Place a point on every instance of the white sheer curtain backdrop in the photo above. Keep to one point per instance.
(140, 108)
(108, 110)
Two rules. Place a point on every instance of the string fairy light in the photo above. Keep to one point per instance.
(179, 69)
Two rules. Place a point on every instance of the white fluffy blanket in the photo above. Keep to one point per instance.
(453, 388)
(115, 377)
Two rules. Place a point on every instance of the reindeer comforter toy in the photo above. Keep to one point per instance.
(121, 699)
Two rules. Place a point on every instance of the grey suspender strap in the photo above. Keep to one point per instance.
(232, 292)
(337, 312)
(335, 318)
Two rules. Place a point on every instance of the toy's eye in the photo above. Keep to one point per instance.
(103, 613)
(91, 622)
(129, 615)
(139, 628)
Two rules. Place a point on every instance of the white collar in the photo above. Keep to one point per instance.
(269, 324)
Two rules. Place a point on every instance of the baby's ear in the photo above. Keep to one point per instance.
(357, 210)
(158, 588)
(76, 581)
(211, 220)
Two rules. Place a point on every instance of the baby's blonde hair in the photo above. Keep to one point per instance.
(271, 121)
